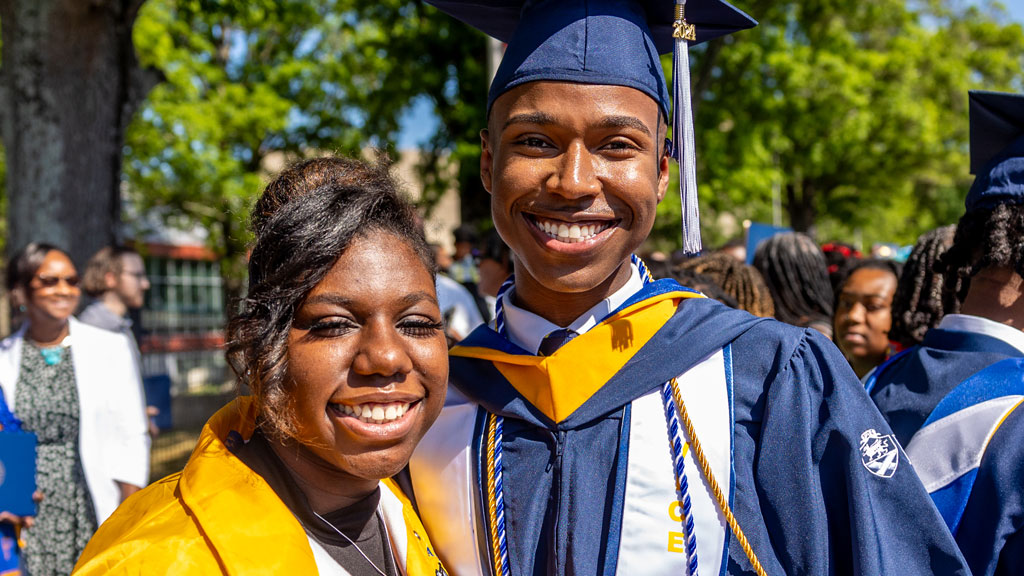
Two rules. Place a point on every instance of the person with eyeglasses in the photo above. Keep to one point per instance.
(115, 278)
(77, 388)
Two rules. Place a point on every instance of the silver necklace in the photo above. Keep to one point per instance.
(387, 539)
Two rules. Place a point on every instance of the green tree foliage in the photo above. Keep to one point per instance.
(856, 111)
(413, 51)
(250, 84)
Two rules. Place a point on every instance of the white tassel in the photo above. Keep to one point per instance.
(682, 132)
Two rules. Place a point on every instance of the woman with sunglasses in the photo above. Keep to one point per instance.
(77, 388)
(340, 340)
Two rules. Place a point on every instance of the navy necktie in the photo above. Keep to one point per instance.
(555, 340)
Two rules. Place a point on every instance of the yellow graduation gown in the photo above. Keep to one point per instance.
(217, 516)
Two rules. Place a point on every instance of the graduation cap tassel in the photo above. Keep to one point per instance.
(682, 129)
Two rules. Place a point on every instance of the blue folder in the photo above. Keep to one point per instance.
(18, 472)
(158, 394)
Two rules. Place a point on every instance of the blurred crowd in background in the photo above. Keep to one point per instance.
(871, 305)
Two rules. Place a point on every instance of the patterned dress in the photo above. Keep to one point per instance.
(47, 404)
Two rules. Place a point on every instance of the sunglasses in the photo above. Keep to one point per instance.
(51, 281)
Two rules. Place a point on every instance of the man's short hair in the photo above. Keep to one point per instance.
(108, 260)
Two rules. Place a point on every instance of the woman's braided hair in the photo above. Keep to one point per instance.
(797, 275)
(743, 283)
(917, 306)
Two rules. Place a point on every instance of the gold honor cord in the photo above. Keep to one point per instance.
(492, 497)
(494, 438)
(698, 453)
(723, 503)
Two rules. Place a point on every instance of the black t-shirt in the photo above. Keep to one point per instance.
(359, 521)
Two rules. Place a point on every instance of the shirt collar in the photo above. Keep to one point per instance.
(979, 325)
(527, 330)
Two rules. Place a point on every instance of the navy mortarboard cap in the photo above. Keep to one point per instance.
(614, 42)
(997, 149)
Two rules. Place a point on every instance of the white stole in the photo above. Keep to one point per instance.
(444, 469)
(652, 540)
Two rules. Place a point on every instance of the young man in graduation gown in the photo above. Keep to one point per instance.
(955, 400)
(570, 442)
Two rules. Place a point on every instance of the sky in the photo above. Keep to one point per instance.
(419, 123)
(1016, 8)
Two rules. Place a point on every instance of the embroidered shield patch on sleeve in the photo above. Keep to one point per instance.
(879, 454)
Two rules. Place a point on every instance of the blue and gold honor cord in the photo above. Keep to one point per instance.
(495, 496)
(675, 411)
(702, 461)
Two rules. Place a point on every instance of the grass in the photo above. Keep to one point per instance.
(170, 452)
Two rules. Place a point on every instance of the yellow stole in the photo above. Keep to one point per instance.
(559, 384)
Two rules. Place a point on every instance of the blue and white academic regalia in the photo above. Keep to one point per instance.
(910, 385)
(970, 457)
(808, 465)
(958, 396)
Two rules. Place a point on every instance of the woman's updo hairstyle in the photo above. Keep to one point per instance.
(26, 262)
(302, 223)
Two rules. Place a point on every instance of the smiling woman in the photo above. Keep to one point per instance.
(340, 340)
(76, 388)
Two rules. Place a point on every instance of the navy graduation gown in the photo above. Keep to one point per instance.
(910, 386)
(802, 490)
(971, 458)
(991, 531)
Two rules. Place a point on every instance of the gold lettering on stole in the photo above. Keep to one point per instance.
(675, 511)
(676, 540)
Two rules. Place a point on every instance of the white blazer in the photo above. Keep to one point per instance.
(113, 439)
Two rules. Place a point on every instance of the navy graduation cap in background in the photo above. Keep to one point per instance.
(997, 149)
(615, 42)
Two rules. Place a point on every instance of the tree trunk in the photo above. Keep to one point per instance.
(233, 267)
(70, 85)
(800, 204)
